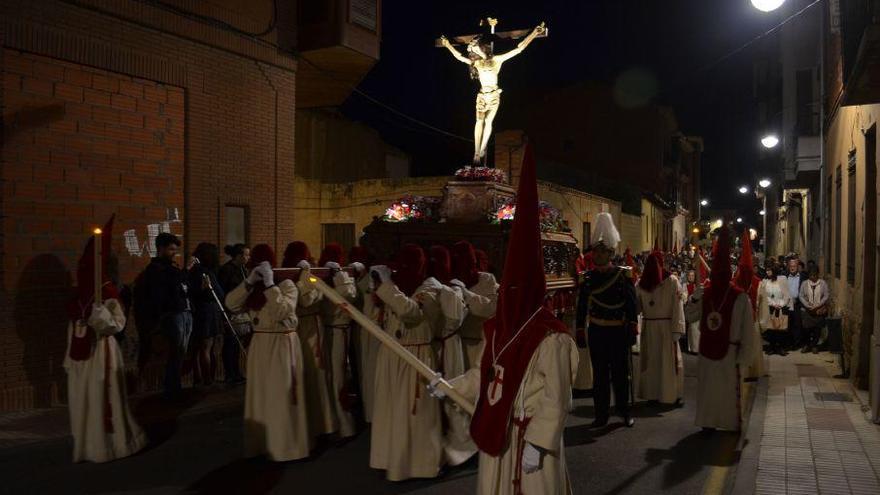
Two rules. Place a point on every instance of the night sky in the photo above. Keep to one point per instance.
(677, 42)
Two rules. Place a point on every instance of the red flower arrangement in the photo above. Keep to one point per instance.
(481, 174)
(550, 217)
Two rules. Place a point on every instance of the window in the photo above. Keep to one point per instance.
(236, 224)
(340, 233)
(838, 205)
(827, 229)
(851, 219)
(586, 235)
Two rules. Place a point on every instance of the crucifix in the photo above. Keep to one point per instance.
(484, 66)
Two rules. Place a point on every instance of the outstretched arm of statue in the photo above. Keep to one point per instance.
(538, 31)
(455, 53)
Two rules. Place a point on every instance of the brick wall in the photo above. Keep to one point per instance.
(125, 108)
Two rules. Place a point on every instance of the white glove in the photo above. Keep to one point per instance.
(383, 272)
(340, 278)
(266, 274)
(332, 265)
(358, 267)
(457, 283)
(433, 390)
(304, 265)
(531, 459)
(100, 317)
(254, 276)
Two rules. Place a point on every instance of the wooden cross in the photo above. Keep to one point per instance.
(491, 22)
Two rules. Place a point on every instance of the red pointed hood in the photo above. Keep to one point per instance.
(440, 264)
(721, 273)
(520, 324)
(296, 251)
(523, 283)
(482, 260)
(260, 253)
(81, 305)
(464, 263)
(358, 254)
(745, 269)
(410, 268)
(332, 252)
(653, 274)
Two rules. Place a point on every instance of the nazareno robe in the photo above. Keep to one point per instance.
(445, 309)
(661, 372)
(100, 434)
(368, 346)
(545, 398)
(315, 340)
(719, 380)
(338, 325)
(407, 436)
(275, 409)
(482, 300)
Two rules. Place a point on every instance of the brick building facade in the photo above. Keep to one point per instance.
(114, 106)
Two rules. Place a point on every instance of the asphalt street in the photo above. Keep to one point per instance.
(201, 453)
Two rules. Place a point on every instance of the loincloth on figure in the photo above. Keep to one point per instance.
(489, 100)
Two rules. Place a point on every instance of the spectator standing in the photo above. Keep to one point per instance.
(794, 278)
(167, 295)
(772, 300)
(231, 275)
(207, 313)
(814, 296)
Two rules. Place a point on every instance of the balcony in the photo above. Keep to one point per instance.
(808, 156)
(338, 41)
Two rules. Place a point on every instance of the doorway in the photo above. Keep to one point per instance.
(869, 275)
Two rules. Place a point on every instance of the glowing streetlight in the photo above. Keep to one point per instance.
(764, 183)
(769, 141)
(767, 5)
(743, 190)
(739, 220)
(704, 202)
(696, 230)
(762, 213)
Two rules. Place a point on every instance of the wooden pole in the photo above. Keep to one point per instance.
(395, 346)
(99, 282)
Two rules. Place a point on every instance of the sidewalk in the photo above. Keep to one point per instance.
(43, 425)
(813, 436)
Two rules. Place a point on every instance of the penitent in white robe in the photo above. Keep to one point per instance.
(545, 397)
(407, 437)
(719, 381)
(446, 311)
(314, 338)
(86, 394)
(661, 375)
(481, 300)
(338, 324)
(275, 421)
(368, 346)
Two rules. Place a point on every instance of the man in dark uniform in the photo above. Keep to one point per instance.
(607, 308)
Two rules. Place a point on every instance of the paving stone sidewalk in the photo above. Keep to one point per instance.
(42, 425)
(816, 438)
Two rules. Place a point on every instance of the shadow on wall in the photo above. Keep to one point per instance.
(40, 320)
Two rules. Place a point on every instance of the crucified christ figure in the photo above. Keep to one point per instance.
(485, 66)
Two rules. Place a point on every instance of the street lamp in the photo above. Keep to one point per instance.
(764, 183)
(704, 202)
(739, 220)
(769, 141)
(743, 190)
(762, 213)
(767, 5)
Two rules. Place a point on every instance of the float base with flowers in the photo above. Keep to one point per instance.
(478, 206)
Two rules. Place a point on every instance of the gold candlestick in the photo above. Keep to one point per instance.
(98, 262)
